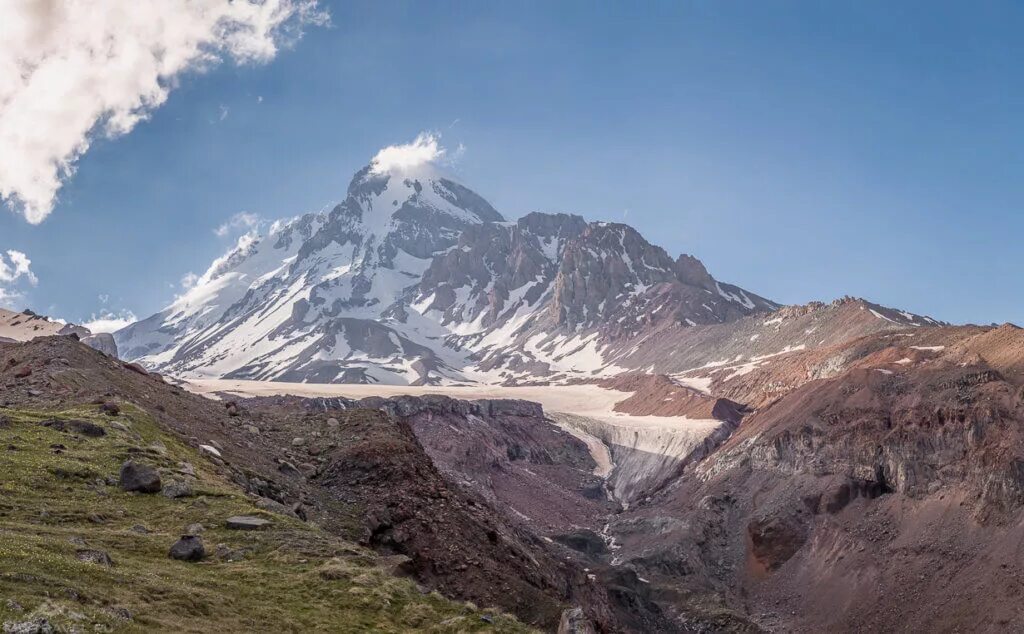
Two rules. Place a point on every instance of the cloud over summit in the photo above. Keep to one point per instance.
(425, 148)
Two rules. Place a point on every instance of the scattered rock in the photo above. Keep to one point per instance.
(178, 489)
(186, 468)
(574, 621)
(188, 548)
(246, 523)
(85, 428)
(110, 408)
(141, 478)
(120, 613)
(252, 429)
(119, 426)
(97, 557)
(333, 423)
(23, 372)
(298, 442)
(38, 625)
(195, 529)
(225, 553)
(139, 528)
(136, 368)
(273, 506)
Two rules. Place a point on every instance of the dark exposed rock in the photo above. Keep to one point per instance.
(188, 548)
(82, 427)
(584, 541)
(139, 477)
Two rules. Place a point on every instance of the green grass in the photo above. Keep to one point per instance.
(293, 578)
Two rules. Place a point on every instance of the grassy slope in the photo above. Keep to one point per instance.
(294, 576)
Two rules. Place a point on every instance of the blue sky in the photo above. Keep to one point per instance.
(802, 150)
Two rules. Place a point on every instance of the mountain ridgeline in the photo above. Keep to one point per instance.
(416, 279)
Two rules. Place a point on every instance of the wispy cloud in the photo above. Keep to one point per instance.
(108, 321)
(15, 269)
(188, 281)
(242, 220)
(70, 71)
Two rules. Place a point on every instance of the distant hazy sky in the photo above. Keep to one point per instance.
(803, 150)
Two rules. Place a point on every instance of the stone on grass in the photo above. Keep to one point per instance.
(38, 625)
(188, 548)
(138, 477)
(83, 427)
(97, 557)
(246, 523)
(178, 489)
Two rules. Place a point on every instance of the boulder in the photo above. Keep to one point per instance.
(177, 489)
(188, 548)
(141, 478)
(246, 523)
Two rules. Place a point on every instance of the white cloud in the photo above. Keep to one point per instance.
(108, 321)
(74, 69)
(242, 220)
(14, 268)
(426, 148)
(189, 280)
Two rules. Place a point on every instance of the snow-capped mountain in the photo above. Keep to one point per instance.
(415, 278)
